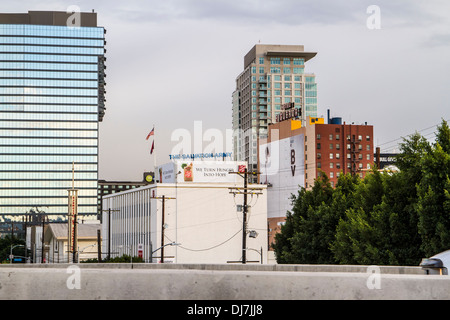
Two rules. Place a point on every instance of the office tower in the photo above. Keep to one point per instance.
(273, 75)
(51, 103)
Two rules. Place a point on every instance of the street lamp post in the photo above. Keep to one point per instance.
(12, 247)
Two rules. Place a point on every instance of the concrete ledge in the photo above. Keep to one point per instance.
(229, 267)
(191, 282)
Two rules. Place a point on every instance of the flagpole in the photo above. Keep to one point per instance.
(154, 153)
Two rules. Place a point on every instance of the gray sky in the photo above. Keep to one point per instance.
(170, 63)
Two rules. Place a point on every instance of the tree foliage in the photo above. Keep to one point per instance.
(386, 218)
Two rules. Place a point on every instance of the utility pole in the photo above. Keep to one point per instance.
(109, 231)
(163, 198)
(99, 246)
(245, 191)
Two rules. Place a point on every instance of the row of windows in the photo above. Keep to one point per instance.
(48, 133)
(48, 58)
(51, 31)
(52, 41)
(47, 184)
(48, 99)
(48, 91)
(337, 137)
(48, 116)
(46, 49)
(82, 83)
(287, 70)
(47, 125)
(287, 85)
(47, 167)
(49, 66)
(46, 176)
(338, 156)
(43, 202)
(287, 92)
(51, 210)
(349, 147)
(61, 158)
(48, 74)
(286, 61)
(49, 108)
(35, 150)
(61, 193)
(276, 77)
(47, 142)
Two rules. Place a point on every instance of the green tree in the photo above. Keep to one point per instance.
(433, 201)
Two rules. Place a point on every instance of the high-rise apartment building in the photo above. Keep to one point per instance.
(273, 75)
(51, 102)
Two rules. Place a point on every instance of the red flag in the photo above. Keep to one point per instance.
(150, 134)
(153, 147)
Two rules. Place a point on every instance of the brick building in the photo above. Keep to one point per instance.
(296, 152)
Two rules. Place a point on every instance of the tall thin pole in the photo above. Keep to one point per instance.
(154, 153)
(244, 221)
(162, 229)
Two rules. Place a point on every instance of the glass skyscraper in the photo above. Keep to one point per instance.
(51, 102)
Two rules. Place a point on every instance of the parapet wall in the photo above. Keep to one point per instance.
(218, 282)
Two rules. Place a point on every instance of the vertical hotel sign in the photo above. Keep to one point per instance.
(73, 210)
(72, 219)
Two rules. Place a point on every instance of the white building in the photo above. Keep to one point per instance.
(56, 247)
(203, 221)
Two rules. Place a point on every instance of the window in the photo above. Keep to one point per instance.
(286, 61)
(319, 165)
(368, 156)
(331, 156)
(319, 155)
(261, 69)
(318, 136)
(338, 146)
(277, 85)
(261, 60)
(331, 146)
(318, 146)
(348, 146)
(359, 137)
(299, 61)
(274, 70)
(287, 85)
(331, 175)
(368, 147)
(253, 69)
(338, 155)
(287, 78)
(331, 165)
(337, 137)
(367, 138)
(274, 60)
(297, 93)
(286, 70)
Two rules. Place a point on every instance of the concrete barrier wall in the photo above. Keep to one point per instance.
(218, 282)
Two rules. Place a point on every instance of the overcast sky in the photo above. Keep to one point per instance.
(170, 63)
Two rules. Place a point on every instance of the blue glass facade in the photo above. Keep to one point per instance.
(51, 102)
